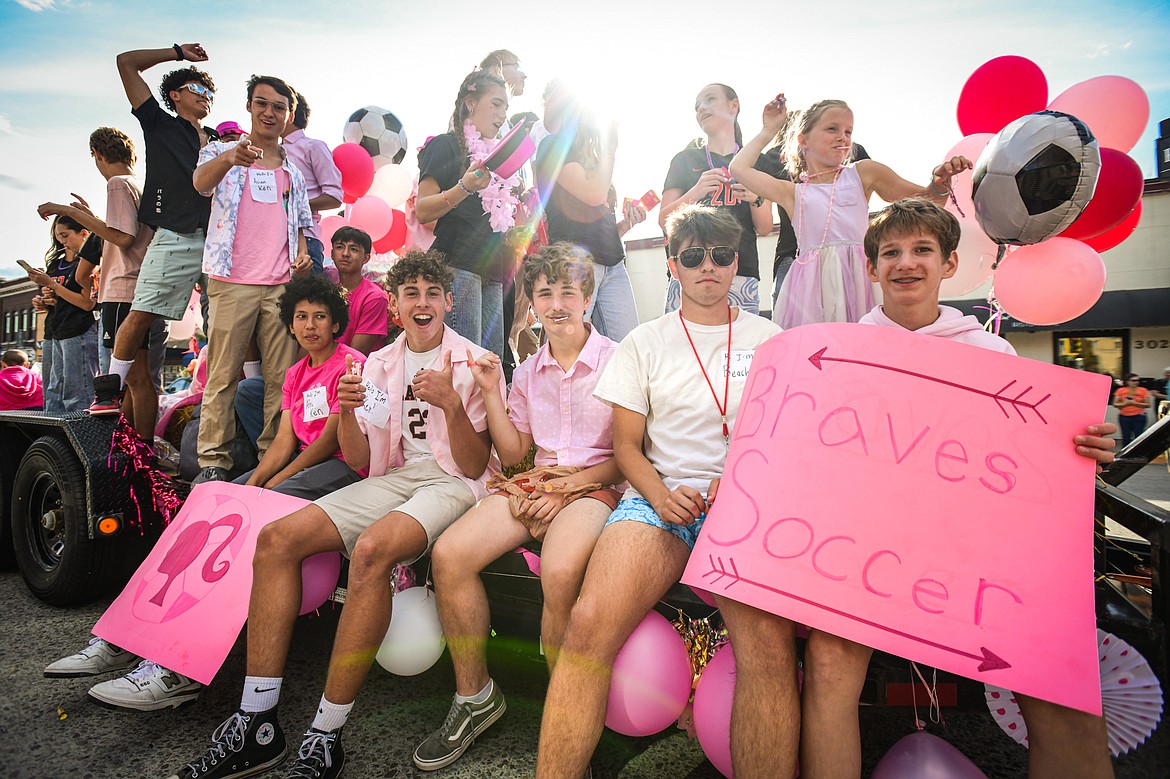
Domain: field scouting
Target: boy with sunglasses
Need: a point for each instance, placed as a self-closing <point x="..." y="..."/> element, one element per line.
<point x="674" y="385"/>
<point x="170" y="205"/>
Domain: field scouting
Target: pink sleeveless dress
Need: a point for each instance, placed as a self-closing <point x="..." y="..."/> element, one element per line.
<point x="828" y="281"/>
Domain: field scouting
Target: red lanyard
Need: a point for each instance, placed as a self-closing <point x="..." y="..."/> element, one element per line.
<point x="726" y="373"/>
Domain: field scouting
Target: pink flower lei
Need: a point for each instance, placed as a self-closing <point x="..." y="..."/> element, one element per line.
<point x="499" y="196"/>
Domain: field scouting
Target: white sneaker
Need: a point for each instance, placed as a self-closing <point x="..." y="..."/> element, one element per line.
<point x="98" y="657"/>
<point x="148" y="687"/>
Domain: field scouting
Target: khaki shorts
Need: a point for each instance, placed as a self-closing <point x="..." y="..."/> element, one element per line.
<point x="170" y="269"/>
<point x="422" y="490"/>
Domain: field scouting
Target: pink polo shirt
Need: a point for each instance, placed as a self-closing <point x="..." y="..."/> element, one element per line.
<point x="369" y="312"/>
<point x="303" y="382"/>
<point x="384" y="368"/>
<point x="572" y="428"/>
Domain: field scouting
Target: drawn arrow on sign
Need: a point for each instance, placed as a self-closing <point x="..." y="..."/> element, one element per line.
<point x="988" y="660"/>
<point x="999" y="397"/>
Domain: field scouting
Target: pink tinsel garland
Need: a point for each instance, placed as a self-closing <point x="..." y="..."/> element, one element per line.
<point x="499" y="196"/>
<point x="147" y="485"/>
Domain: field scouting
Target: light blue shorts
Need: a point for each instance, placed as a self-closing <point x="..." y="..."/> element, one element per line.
<point x="639" y="510"/>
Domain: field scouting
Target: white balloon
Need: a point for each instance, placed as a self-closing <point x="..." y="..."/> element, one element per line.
<point x="414" y="641"/>
<point x="976" y="256"/>
<point x="392" y="183"/>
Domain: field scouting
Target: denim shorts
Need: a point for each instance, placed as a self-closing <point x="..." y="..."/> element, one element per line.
<point x="639" y="510"/>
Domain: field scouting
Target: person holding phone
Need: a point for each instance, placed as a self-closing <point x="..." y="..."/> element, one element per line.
<point x="698" y="174"/>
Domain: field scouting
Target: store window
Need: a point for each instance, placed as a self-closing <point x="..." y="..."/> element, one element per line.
<point x="1097" y="352"/>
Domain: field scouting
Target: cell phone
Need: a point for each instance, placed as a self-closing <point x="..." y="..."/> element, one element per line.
<point x="28" y="268"/>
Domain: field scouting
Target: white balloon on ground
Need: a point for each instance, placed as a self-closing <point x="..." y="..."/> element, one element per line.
<point x="414" y="641"/>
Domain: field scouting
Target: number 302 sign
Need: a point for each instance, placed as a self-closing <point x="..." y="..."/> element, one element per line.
<point x="1152" y="343"/>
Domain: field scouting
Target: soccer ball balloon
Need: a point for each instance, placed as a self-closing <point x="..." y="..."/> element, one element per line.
<point x="1035" y="177"/>
<point x="379" y="132"/>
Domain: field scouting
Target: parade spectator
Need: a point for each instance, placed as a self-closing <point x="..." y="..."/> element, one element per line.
<point x="229" y="131"/>
<point x="552" y="405"/>
<point x="909" y="240"/>
<point x="125" y="241"/>
<point x="69" y="360"/>
<point x="1131" y="402"/>
<point x="698" y="174"/>
<point x="506" y="65"/>
<point x="674" y="402"/>
<point x="425" y="443"/>
<point x="259" y="212"/>
<point x="451" y="187"/>
<point x="574" y="174"/>
<point x="20" y="386"/>
<point x="171" y="266"/>
<point x="322" y="178"/>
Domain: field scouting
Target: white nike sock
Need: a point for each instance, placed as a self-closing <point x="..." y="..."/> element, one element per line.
<point x="251" y="369"/>
<point x="331" y="716"/>
<point x="479" y="697"/>
<point x="261" y="693"/>
<point x="121" y="368"/>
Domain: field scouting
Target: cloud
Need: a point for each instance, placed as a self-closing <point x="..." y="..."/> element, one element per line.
<point x="14" y="183"/>
<point x="37" y="5"/>
<point x="6" y="127"/>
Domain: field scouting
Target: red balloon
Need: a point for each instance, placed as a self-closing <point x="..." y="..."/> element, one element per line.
<point x="357" y="169"/>
<point x="1000" y="91"/>
<point x="396" y="238"/>
<point x="1119" y="189"/>
<point x="1111" y="238"/>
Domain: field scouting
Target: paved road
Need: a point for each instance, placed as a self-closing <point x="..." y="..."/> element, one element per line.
<point x="392" y="714"/>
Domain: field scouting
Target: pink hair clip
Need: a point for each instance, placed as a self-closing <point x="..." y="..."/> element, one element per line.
<point x="471" y="87"/>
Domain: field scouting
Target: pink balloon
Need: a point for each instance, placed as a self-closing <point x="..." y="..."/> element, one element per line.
<point x="395" y="238"/>
<point x="357" y="169"/>
<point x="970" y="147"/>
<point x="923" y="756"/>
<point x="328" y="227"/>
<point x="372" y="215"/>
<point x="1001" y="91"/>
<point x="651" y="681"/>
<point x="318" y="579"/>
<point x="1119" y="190"/>
<point x="1115" y="108"/>
<point x="1051" y="282"/>
<point x="712" y="708"/>
<point x="976" y="256"/>
<point x="1111" y="238"/>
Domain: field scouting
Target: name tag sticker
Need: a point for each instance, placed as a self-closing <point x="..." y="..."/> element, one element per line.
<point x="376" y="409"/>
<point x="316" y="404"/>
<point x="263" y="185"/>
<point x="741" y="363"/>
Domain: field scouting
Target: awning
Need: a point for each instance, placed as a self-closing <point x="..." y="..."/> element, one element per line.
<point x="1118" y="310"/>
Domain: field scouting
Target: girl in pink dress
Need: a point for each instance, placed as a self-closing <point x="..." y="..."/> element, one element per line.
<point x="828" y="199"/>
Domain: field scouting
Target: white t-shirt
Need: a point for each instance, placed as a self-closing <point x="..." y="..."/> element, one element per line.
<point x="415" y="447"/>
<point x="654" y="372"/>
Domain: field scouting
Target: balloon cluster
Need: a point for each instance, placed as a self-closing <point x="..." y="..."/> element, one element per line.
<point x="1060" y="278"/>
<point x="375" y="196"/>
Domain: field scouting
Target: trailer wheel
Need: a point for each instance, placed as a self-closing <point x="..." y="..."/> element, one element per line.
<point x="7" y="559"/>
<point x="60" y="563"/>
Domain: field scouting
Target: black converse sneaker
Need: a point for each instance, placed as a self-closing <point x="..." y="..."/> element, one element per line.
<point x="245" y="744"/>
<point x="321" y="756"/>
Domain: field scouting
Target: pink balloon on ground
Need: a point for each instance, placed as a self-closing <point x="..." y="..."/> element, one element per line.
<point x="372" y="215"/>
<point x="1000" y="91"/>
<point x="976" y="256"/>
<point x="1114" y="237"/>
<point x="712" y="708"/>
<point x="318" y="579"/>
<point x="357" y="169"/>
<point x="1051" y="282"/>
<point x="1115" y="108"/>
<point x="923" y="756"/>
<point x="1119" y="190"/>
<point x="970" y="147"/>
<point x="328" y="227"/>
<point x="651" y="681"/>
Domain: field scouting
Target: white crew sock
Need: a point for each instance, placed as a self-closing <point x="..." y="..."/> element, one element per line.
<point x="261" y="693"/>
<point x="251" y="369"/>
<point x="121" y="368"/>
<point x="331" y="716"/>
<point x="479" y="697"/>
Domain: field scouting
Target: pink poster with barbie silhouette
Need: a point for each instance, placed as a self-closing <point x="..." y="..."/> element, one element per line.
<point x="917" y="496"/>
<point x="184" y="606"/>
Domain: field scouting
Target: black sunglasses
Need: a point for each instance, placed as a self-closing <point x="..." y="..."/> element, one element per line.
<point x="692" y="257"/>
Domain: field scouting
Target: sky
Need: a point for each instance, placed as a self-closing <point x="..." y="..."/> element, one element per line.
<point x="900" y="65"/>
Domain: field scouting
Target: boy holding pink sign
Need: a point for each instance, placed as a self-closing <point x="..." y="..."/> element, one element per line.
<point x="910" y="248"/>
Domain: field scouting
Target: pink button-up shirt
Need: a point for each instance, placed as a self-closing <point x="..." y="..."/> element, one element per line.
<point x="384" y="369"/>
<point x="557" y="408"/>
<point x="315" y="162"/>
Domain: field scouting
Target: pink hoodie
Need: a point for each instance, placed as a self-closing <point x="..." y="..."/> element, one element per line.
<point x="20" y="389"/>
<point x="952" y="324"/>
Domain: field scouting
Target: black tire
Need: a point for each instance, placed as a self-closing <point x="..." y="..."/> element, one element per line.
<point x="7" y="558"/>
<point x="61" y="564"/>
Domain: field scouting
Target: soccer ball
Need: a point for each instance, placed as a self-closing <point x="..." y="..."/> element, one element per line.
<point x="1035" y="177"/>
<point x="379" y="132"/>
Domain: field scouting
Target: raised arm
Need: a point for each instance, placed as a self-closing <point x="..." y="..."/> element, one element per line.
<point x="208" y="175"/>
<point x="80" y="212"/>
<point x="132" y="63"/>
<point x="890" y="187"/>
<point x="743" y="164"/>
<point x="511" y="444"/>
<point x="469" y="448"/>
<point x="351" y="394"/>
